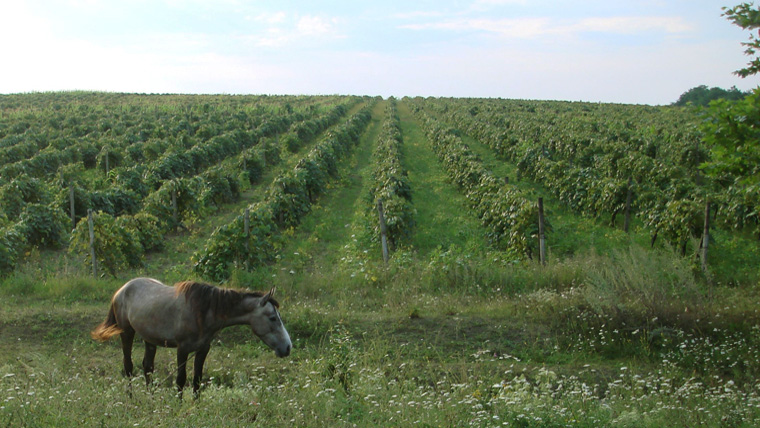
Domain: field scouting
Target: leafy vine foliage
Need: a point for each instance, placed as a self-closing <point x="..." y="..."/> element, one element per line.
<point x="148" y="165"/>
<point x="129" y="157"/>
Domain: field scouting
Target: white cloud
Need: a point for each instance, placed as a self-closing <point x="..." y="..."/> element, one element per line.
<point x="270" y="18"/>
<point x="281" y="29"/>
<point x="536" y="27"/>
<point x="418" y="14"/>
<point x="314" y="26"/>
<point x="488" y="4"/>
<point x="246" y="48"/>
<point x="499" y="2"/>
<point x="19" y="24"/>
<point x="633" y="24"/>
<point x="85" y="4"/>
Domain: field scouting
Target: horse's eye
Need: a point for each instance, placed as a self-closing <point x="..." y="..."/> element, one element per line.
<point x="273" y="319"/>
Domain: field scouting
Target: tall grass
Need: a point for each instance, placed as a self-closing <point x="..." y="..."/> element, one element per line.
<point x="649" y="284"/>
<point x="350" y="377"/>
<point x="629" y="338"/>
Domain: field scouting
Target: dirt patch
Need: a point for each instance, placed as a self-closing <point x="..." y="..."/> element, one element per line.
<point x="462" y="334"/>
<point x="49" y="324"/>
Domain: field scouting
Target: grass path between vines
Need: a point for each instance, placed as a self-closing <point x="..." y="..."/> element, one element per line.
<point x="443" y="217"/>
<point x="318" y="241"/>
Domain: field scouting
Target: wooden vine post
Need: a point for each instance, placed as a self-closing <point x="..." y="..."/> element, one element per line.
<point x="541" y="234"/>
<point x="706" y="237"/>
<point x="71" y="205"/>
<point x="247" y="231"/>
<point x="174" y="204"/>
<point x="91" y="227"/>
<point x="383" y="230"/>
<point x="628" y="198"/>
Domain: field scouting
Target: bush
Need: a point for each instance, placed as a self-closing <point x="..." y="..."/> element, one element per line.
<point x="88" y="153"/>
<point x="117" y="246"/>
<point x="43" y="225"/>
<point x="218" y="188"/>
<point x="21" y="191"/>
<point x="115" y="201"/>
<point x="252" y="164"/>
<point x="11" y="201"/>
<point x="113" y="156"/>
<point x="290" y="142"/>
<point x="227" y="245"/>
<point x="132" y="179"/>
<point x="82" y="201"/>
<point x="12" y="243"/>
<point x="159" y="203"/>
<point x="147" y="228"/>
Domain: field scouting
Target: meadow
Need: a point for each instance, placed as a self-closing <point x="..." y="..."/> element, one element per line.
<point x="462" y="327"/>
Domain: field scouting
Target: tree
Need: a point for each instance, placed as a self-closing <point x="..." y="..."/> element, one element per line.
<point x="747" y="16"/>
<point x="702" y="95"/>
<point x="732" y="129"/>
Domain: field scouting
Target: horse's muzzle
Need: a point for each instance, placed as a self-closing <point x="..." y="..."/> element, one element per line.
<point x="283" y="352"/>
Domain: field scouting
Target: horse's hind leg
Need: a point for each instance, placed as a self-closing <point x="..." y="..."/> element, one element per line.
<point x="127" y="337"/>
<point x="150" y="355"/>
<point x="200" y="358"/>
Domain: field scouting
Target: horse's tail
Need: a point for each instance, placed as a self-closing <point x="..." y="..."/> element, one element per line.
<point x="108" y="328"/>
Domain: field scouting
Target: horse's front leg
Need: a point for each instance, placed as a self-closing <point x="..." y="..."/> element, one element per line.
<point x="181" y="370"/>
<point x="200" y="358"/>
<point x="127" y="337"/>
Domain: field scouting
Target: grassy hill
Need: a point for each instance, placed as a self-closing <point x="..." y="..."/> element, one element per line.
<point x="455" y="330"/>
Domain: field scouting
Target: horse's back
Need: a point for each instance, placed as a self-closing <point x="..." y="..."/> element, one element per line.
<point x="150" y="308"/>
<point x="140" y="285"/>
<point x="138" y="293"/>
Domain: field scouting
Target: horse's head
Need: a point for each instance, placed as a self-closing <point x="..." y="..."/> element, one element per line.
<point x="267" y="325"/>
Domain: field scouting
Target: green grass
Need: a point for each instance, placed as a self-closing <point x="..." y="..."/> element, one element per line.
<point x="443" y="219"/>
<point x="461" y="359"/>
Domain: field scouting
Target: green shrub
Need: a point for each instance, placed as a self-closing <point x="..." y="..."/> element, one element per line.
<point x="117" y="246"/>
<point x="290" y="142"/>
<point x="43" y="225"/>
<point x="148" y="230"/>
<point x="111" y="156"/>
<point x="12" y="244"/>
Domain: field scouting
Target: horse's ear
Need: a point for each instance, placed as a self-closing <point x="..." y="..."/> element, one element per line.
<point x="267" y="296"/>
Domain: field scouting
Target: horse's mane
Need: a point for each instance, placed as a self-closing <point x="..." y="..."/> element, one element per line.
<point x="205" y="297"/>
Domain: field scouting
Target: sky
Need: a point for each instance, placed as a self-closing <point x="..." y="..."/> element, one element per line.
<point x="632" y="51"/>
